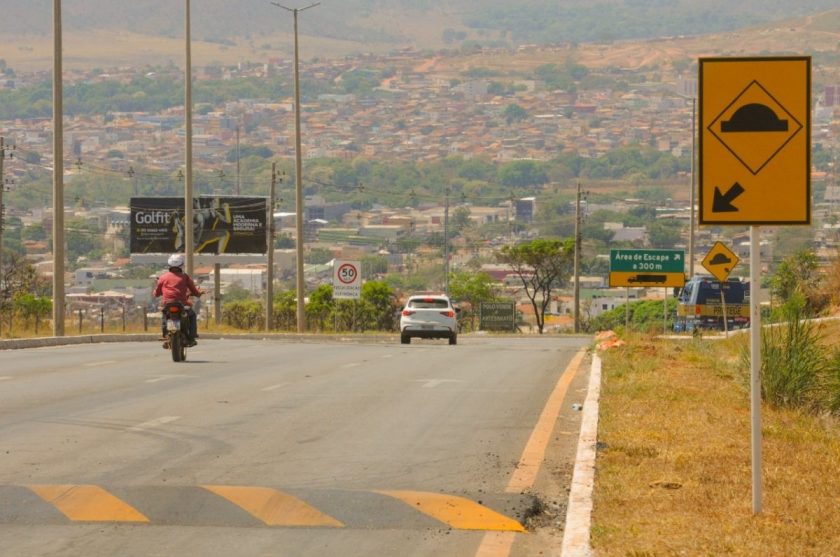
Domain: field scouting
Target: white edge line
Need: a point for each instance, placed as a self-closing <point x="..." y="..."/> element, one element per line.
<point x="576" y="534"/>
<point x="274" y="387"/>
<point x="153" y="423"/>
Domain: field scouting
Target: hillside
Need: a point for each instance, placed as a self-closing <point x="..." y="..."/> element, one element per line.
<point x="149" y="32"/>
<point x="408" y="22"/>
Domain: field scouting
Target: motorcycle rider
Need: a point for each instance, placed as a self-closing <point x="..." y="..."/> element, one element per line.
<point x="176" y="286"/>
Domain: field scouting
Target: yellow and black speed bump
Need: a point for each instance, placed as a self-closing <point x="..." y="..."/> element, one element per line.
<point x="254" y="506"/>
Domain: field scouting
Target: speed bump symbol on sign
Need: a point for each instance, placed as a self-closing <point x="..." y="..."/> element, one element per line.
<point x="754" y="139"/>
<point x="720" y="261"/>
<point x="752" y="127"/>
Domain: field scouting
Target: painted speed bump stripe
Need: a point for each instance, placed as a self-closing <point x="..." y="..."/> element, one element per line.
<point x="273" y="507"/>
<point x="267" y="506"/>
<point x="88" y="503"/>
<point x="457" y="512"/>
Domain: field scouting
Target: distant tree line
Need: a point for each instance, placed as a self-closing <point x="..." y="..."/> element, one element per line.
<point x="162" y="91"/>
<point x="363" y="182"/>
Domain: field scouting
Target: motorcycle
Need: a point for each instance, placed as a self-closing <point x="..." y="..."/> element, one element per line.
<point x="177" y="330"/>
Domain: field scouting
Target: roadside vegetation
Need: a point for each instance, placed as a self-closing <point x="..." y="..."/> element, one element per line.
<point x="674" y="459"/>
<point x="674" y="447"/>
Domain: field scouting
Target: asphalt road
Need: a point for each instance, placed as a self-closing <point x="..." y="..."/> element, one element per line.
<point x="278" y="448"/>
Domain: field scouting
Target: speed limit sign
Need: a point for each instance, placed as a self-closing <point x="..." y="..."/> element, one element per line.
<point x="347" y="279"/>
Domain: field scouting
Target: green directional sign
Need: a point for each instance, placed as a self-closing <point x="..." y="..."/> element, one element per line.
<point x="647" y="267"/>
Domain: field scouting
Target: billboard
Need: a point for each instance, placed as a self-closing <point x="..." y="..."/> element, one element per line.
<point x="222" y="225"/>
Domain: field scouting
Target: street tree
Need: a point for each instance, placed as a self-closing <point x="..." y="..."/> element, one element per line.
<point x="514" y="113"/>
<point x="472" y="289"/>
<point x="797" y="281"/>
<point x="320" y="305"/>
<point x="21" y="289"/>
<point x="380" y="305"/>
<point x="541" y="265"/>
<point x="285" y="309"/>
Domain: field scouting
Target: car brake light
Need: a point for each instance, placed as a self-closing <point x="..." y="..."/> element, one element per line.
<point x="407" y="312"/>
<point x="449" y="313"/>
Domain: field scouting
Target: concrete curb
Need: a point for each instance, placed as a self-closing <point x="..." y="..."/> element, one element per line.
<point x="579" y="512"/>
<point x="16" y="344"/>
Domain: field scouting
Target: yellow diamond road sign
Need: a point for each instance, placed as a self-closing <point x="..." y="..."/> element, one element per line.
<point x="755" y="122"/>
<point x="720" y="261"/>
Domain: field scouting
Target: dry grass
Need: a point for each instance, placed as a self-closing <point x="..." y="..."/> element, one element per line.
<point x="674" y="471"/>
<point x="21" y="330"/>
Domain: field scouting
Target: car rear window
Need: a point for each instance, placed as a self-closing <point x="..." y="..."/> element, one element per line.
<point x="428" y="303"/>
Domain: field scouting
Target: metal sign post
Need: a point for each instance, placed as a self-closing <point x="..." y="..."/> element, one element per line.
<point x="755" y="367"/>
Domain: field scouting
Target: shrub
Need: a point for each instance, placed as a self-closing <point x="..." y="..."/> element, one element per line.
<point x="794" y="363"/>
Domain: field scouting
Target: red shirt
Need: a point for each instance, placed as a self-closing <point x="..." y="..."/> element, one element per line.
<point x="176" y="287"/>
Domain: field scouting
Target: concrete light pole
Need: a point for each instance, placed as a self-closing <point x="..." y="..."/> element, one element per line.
<point x="58" y="177"/>
<point x="269" y="278"/>
<point x="446" y="243"/>
<point x="3" y="150"/>
<point x="301" y="315"/>
<point x="577" y="259"/>
<point x="189" y="240"/>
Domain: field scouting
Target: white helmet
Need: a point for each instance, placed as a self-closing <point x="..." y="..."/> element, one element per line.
<point x="175" y="260"/>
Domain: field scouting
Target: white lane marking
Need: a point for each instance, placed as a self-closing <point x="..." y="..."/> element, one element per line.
<point x="161" y="378"/>
<point x="103" y="363"/>
<point x="6" y="378"/>
<point x="432" y="383"/>
<point x="274" y="387"/>
<point x="154" y="423"/>
<point x="354" y="364"/>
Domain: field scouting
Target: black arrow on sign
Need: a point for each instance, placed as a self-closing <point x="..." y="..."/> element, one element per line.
<point x="722" y="202"/>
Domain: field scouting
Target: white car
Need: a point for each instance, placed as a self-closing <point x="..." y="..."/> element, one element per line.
<point x="429" y="316"/>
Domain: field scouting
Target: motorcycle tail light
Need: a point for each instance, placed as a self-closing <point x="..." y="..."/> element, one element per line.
<point x="174" y="309"/>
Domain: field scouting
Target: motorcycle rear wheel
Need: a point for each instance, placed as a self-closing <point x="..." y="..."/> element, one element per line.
<point x="179" y="352"/>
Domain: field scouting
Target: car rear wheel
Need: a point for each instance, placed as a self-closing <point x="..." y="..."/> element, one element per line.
<point x="453" y="338"/>
<point x="405" y="339"/>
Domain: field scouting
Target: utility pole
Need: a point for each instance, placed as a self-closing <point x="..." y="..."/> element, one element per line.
<point x="133" y="177"/>
<point x="511" y="218"/>
<point x="238" y="166"/>
<point x="58" y="176"/>
<point x="446" y="243"/>
<point x="189" y="239"/>
<point x="3" y="150"/>
<point x="269" y="231"/>
<point x="577" y="259"/>
<point x="301" y="315"/>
